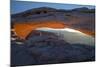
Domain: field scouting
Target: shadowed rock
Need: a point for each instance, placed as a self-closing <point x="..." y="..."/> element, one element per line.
<point x="47" y="49"/>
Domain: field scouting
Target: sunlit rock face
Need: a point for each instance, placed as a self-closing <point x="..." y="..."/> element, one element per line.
<point x="72" y="36"/>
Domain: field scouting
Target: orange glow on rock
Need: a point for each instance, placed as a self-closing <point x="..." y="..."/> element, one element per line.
<point x="23" y="29"/>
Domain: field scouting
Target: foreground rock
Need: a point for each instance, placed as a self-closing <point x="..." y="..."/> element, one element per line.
<point x="47" y="48"/>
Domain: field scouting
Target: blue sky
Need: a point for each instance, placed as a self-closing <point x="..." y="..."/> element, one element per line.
<point x="20" y="6"/>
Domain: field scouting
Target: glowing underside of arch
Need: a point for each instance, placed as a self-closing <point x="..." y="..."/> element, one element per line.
<point x="22" y="30"/>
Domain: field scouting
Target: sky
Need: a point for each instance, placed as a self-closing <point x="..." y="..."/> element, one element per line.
<point x="20" y="6"/>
